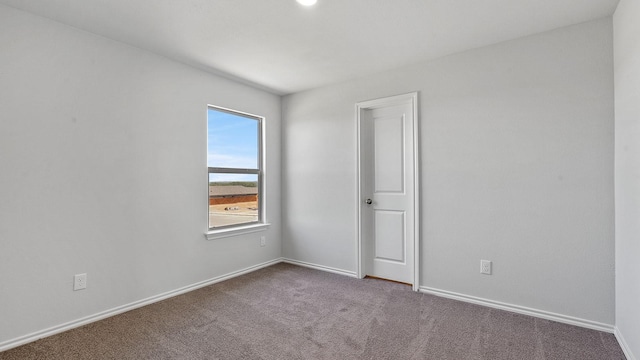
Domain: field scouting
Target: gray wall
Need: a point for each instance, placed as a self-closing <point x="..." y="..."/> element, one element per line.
<point x="516" y="166"/>
<point x="627" y="172"/>
<point x="103" y="171"/>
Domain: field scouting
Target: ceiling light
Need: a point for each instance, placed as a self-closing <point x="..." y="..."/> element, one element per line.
<point x="307" y="2"/>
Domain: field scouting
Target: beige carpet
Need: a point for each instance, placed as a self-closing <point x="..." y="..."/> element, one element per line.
<point x="290" y="312"/>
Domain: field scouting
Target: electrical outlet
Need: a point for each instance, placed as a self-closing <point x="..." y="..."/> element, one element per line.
<point x="263" y="240"/>
<point x="79" y="282"/>
<point x="485" y="267"/>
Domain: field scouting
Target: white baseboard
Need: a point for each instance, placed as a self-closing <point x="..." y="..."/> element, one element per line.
<point x="623" y="344"/>
<point x="520" y="309"/>
<point x="443" y="293"/>
<point x="6" y="345"/>
<point x="484" y="302"/>
<point x="320" y="267"/>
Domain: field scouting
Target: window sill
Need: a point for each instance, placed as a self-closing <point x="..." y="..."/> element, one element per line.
<point x="241" y="230"/>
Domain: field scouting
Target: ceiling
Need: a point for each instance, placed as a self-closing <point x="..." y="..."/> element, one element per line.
<point x="284" y="47"/>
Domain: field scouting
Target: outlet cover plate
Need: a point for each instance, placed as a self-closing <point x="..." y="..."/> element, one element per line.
<point x="79" y="282"/>
<point x="485" y="267"/>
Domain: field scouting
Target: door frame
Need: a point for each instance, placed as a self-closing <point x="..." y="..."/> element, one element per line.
<point x="361" y="107"/>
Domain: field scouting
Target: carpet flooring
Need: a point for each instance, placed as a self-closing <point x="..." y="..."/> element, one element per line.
<point x="290" y="312"/>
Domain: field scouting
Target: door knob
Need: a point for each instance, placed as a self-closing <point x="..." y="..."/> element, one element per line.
<point x="368" y="201"/>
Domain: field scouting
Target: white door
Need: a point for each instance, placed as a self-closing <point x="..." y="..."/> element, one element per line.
<point x="388" y="193"/>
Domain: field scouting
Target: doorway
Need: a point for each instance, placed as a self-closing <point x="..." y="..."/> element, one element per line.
<point x="388" y="191"/>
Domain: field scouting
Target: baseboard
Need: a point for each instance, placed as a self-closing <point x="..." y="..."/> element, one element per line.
<point x="623" y="344"/>
<point x="520" y="309"/>
<point x="442" y="293"/>
<point x="124" y="308"/>
<point x="484" y="302"/>
<point x="320" y="267"/>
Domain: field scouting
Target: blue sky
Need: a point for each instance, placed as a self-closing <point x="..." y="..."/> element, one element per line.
<point x="233" y="143"/>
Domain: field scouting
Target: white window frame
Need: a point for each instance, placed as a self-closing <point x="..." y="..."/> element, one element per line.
<point x="244" y="228"/>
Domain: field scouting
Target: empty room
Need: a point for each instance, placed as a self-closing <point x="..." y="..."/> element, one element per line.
<point x="299" y="179"/>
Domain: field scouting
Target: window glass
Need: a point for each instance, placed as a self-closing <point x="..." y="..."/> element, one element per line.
<point x="235" y="173"/>
<point x="233" y="140"/>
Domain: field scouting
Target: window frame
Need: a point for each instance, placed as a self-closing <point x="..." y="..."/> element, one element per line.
<point x="247" y="227"/>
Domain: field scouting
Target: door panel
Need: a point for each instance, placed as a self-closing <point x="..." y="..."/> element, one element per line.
<point x="388" y="147"/>
<point x="390" y="240"/>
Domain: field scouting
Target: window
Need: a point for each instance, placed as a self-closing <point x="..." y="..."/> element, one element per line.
<point x="234" y="158"/>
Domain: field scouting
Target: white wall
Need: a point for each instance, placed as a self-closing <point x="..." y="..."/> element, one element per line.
<point x="103" y="171"/>
<point x="517" y="168"/>
<point x="627" y="172"/>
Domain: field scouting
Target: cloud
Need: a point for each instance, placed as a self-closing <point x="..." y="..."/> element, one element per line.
<point x="230" y="161"/>
<point x="232" y="177"/>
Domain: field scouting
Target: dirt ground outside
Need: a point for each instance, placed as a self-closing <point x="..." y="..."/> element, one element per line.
<point x="232" y="214"/>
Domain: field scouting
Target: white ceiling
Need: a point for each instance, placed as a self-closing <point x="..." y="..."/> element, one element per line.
<point x="284" y="47"/>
